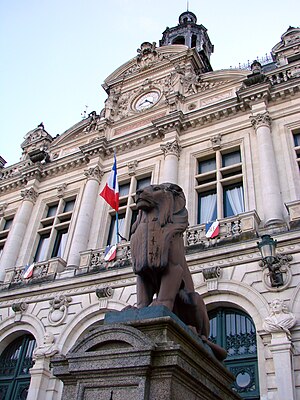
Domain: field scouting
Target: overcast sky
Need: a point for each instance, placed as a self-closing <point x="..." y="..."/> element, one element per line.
<point x="55" y="54"/>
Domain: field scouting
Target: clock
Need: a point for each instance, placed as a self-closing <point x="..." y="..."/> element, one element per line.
<point x="147" y="100"/>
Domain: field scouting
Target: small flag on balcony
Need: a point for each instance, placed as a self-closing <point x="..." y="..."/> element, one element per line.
<point x="110" y="252"/>
<point x="110" y="193"/>
<point x="28" y="271"/>
<point x="212" y="229"/>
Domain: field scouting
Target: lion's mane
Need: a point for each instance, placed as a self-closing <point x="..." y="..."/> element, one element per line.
<point x="156" y="227"/>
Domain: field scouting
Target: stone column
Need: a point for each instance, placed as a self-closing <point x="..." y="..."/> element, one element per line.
<point x="282" y="352"/>
<point x="85" y="215"/>
<point x="40" y="376"/>
<point x="16" y="235"/>
<point x="270" y="189"/>
<point x="171" y="152"/>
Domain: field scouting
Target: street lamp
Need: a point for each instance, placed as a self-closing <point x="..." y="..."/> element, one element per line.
<point x="267" y="248"/>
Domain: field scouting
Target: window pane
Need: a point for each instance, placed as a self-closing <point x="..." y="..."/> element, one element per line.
<point x="206" y="165"/>
<point x="231" y="158"/>
<point x="60" y="243"/>
<point x="69" y="205"/>
<point x="8" y="223"/>
<point x="143" y="182"/>
<point x="51" y="211"/>
<point x="124" y="189"/>
<point x="297" y="139"/>
<point x="233" y="200"/>
<point x="207" y="207"/>
<point x="112" y="236"/>
<point x="41" y="252"/>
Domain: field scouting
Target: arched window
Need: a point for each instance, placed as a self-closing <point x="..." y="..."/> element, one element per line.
<point x="15" y="362"/>
<point x="235" y="331"/>
<point x="179" y="40"/>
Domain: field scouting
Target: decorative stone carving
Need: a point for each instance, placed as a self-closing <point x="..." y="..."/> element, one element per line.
<point x="19" y="307"/>
<point x="216" y="142"/>
<point x="211" y="276"/>
<point x="47" y="349"/>
<point x="261" y="120"/>
<point x="132" y="167"/>
<point x="171" y="148"/>
<point x="94" y="173"/>
<point x="280" y="319"/>
<point x="283" y="267"/>
<point x="147" y="55"/>
<point x="29" y="194"/>
<point x="3" y="207"/>
<point x="36" y="144"/>
<point x="104" y="292"/>
<point x="58" y="309"/>
<point x="61" y="190"/>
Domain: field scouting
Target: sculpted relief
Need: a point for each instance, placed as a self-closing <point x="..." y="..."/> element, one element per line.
<point x="158" y="257"/>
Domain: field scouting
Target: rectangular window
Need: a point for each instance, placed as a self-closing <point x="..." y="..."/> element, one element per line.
<point x="53" y="232"/>
<point x="127" y="209"/>
<point x="219" y="185"/>
<point x="5" y="227"/>
<point x="296" y="137"/>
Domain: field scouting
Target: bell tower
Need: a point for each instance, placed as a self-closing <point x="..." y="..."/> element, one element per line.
<point x="188" y="33"/>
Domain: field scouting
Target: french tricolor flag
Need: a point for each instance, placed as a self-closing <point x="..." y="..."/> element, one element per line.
<point x="28" y="271"/>
<point x="110" y="193"/>
<point x="212" y="229"/>
<point x="110" y="253"/>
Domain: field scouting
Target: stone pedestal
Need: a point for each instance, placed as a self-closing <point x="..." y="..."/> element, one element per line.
<point x="146" y="354"/>
<point x="282" y="351"/>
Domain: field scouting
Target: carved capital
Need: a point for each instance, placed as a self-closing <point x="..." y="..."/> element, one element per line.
<point x="171" y="148"/>
<point x="3" y="207"/>
<point x="261" y="120"/>
<point x="94" y="173"/>
<point x="29" y="194"/>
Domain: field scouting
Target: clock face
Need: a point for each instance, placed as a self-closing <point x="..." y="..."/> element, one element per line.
<point x="147" y="100"/>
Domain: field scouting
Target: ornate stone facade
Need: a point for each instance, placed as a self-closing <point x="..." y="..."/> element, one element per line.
<point x="166" y="119"/>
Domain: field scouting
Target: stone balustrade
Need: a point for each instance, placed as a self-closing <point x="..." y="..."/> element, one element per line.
<point x="240" y="227"/>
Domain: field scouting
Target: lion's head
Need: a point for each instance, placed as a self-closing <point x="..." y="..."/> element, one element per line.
<point x="168" y="198"/>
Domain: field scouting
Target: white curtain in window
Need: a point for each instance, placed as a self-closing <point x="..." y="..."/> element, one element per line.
<point x="121" y="229"/>
<point x="207" y="207"/>
<point x="236" y="199"/>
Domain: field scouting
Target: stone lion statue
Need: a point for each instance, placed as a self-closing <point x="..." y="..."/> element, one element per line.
<point x="158" y="258"/>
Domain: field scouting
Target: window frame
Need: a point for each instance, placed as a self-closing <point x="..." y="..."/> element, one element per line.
<point x="127" y="206"/>
<point x="218" y="179"/>
<point x="51" y="226"/>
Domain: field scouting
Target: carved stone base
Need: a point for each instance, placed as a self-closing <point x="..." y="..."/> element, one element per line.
<point x="146" y="354"/>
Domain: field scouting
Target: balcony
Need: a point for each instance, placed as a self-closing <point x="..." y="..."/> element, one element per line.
<point x="237" y="228"/>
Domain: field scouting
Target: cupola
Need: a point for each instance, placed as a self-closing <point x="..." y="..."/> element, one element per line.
<point x="188" y="33"/>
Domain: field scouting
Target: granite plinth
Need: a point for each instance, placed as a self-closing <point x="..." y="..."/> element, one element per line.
<point x="146" y="354"/>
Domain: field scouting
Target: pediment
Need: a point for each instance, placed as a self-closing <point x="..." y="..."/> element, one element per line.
<point x="139" y="64"/>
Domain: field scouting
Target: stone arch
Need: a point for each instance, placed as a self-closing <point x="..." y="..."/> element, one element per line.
<point x="294" y="305"/>
<point x="243" y="296"/>
<point x="11" y="329"/>
<point x="83" y="321"/>
<point x="239" y="295"/>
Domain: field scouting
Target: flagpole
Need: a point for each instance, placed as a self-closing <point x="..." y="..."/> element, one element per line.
<point x="117" y="227"/>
